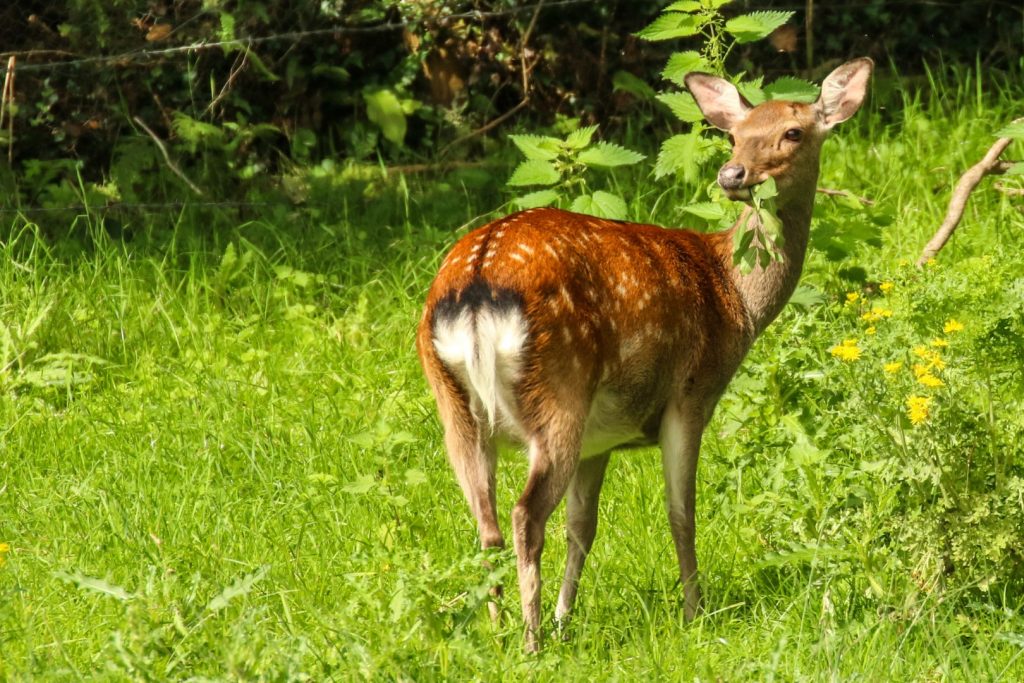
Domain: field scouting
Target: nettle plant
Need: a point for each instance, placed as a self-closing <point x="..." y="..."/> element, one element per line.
<point x="759" y="243"/>
<point x="560" y="165"/>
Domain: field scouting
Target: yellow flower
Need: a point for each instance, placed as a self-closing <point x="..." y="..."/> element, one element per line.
<point x="892" y="367"/>
<point x="952" y="326"/>
<point x="931" y="262"/>
<point x="920" y="370"/>
<point x="886" y="287"/>
<point x="876" y="313"/>
<point x="929" y="380"/>
<point x="870" y="330"/>
<point x="852" y="297"/>
<point x="848" y="350"/>
<point x="917" y="408"/>
<point x="4" y="549"/>
<point x="939" y="342"/>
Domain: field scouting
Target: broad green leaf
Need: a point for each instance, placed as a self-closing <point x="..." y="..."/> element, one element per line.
<point x="364" y="483"/>
<point x="770" y="223"/>
<point x="384" y="109"/>
<point x="683" y="6"/>
<point x="627" y="82"/>
<point x="672" y="25"/>
<point x="806" y="297"/>
<point x="414" y="477"/>
<point x="1016" y="169"/>
<point x="709" y="211"/>
<point x="534" y="172"/>
<point x="91" y="583"/>
<point x="535" y="199"/>
<point x="242" y="586"/>
<point x="766" y="189"/>
<point x="792" y="89"/>
<point x="600" y="204"/>
<point x="536" y="147"/>
<point x="742" y="238"/>
<point x="682" y="63"/>
<point x="608" y="155"/>
<point x="747" y="28"/>
<point x="1014" y="130"/>
<point x="751" y="91"/>
<point x="676" y="153"/>
<point x="682" y="105"/>
<point x="580" y="138"/>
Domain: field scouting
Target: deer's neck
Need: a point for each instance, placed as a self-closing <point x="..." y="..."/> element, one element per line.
<point x="765" y="291"/>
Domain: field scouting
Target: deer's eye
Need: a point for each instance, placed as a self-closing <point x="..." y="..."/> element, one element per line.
<point x="794" y="134"/>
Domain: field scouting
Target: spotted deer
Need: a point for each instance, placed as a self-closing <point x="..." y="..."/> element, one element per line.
<point x="575" y="335"/>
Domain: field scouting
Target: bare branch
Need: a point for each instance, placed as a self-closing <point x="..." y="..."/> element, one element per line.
<point x="990" y="164"/>
<point x="845" y="193"/>
<point x="167" y="157"/>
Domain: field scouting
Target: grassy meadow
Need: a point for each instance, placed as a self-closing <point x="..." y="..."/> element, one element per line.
<point x="220" y="460"/>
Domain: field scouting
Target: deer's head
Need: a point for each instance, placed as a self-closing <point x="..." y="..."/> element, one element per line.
<point x="778" y="139"/>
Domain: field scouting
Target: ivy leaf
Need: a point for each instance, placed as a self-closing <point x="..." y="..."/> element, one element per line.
<point x="682" y="63"/>
<point x="534" y="172"/>
<point x="600" y="204"/>
<point x="608" y="155"/>
<point x="747" y="28"/>
<point x="682" y="105"/>
<point x="384" y="109"/>
<point x="580" y="138"/>
<point x="1013" y="130"/>
<point x="672" y="25"/>
<point x="536" y="147"/>
<point x="536" y="199"/>
<point x="792" y="89"/>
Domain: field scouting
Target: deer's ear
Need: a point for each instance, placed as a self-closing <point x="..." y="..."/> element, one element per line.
<point x="718" y="99"/>
<point x="843" y="91"/>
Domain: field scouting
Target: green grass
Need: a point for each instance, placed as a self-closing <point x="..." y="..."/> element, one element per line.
<point x="220" y="459"/>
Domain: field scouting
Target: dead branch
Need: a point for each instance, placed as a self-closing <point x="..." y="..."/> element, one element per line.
<point x="240" y="63"/>
<point x="525" y="70"/>
<point x="990" y="164"/>
<point x="6" y="107"/>
<point x="167" y="157"/>
<point x="1009" y="191"/>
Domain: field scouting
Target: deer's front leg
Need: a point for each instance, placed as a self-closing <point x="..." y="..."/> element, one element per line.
<point x="681" y="430"/>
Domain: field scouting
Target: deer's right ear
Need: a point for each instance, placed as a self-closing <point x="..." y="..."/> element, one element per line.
<point x="718" y="99"/>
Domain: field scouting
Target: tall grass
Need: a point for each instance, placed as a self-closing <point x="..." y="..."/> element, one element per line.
<point x="220" y="459"/>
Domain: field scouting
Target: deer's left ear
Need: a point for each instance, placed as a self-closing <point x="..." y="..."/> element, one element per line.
<point x="843" y="91"/>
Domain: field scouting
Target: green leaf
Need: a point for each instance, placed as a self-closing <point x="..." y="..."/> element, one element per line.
<point x="792" y="89"/>
<point x="364" y="483"/>
<point x="385" y="110"/>
<point x="535" y="199"/>
<point x="91" y="583"/>
<point x="537" y="147"/>
<point x="709" y="211"/>
<point x="683" y="6"/>
<point x="242" y="586"/>
<point x="1016" y="169"/>
<point x="608" y="155"/>
<point x="672" y="25"/>
<point x="682" y="63"/>
<point x="742" y="238"/>
<point x="414" y="477"/>
<point x="1014" y="130"/>
<point x="751" y="91"/>
<point x="626" y="82"/>
<point x="580" y="138"/>
<point x="747" y="28"/>
<point x="770" y="223"/>
<point x="600" y="204"/>
<point x="534" y="172"/>
<point x="684" y="153"/>
<point x="682" y="105"/>
<point x="766" y="189"/>
<point x="806" y="297"/>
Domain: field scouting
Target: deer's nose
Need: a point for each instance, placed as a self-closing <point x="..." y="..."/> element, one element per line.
<point x="730" y="177"/>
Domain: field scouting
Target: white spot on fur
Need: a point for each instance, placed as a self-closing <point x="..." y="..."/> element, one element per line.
<point x="567" y="298"/>
<point x="516" y="256"/>
<point x="526" y="249"/>
<point x="550" y="249"/>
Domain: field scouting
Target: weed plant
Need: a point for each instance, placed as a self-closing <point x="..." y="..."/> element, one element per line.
<point x="220" y="460"/>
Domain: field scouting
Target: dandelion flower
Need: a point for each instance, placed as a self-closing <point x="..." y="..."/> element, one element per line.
<point x="922" y="352"/>
<point x="917" y="408"/>
<point x="876" y="313"/>
<point x="892" y="367"/>
<point x="870" y="330"/>
<point x="886" y="287"/>
<point x="952" y="326"/>
<point x="852" y="298"/>
<point x="847" y="351"/>
<point x="931" y="263"/>
<point x="929" y="380"/>
<point x="4" y="549"/>
<point x="939" y="342"/>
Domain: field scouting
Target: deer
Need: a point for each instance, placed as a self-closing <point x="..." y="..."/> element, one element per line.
<point x="575" y="336"/>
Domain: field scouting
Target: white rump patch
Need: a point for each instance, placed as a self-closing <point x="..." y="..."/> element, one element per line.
<point x="484" y="350"/>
